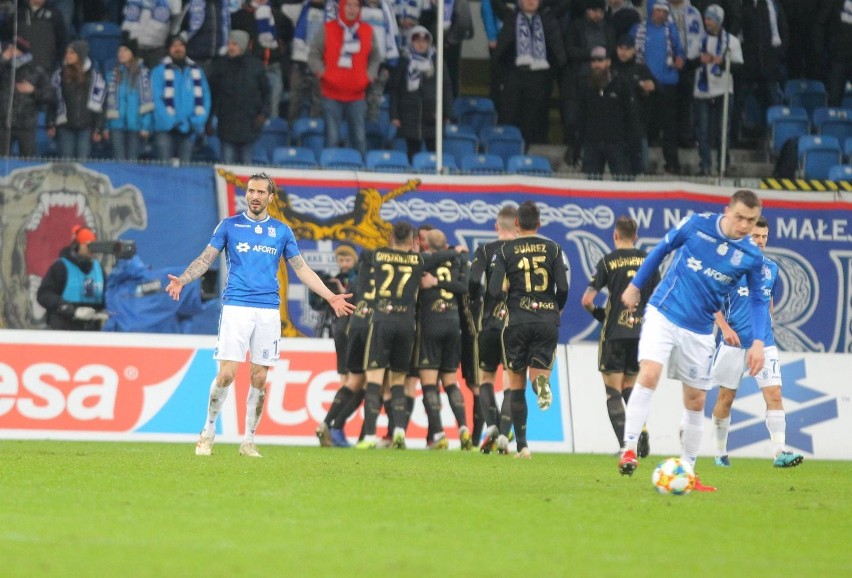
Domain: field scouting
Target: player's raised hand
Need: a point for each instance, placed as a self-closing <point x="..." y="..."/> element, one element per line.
<point x="340" y="304"/>
<point x="174" y="287"/>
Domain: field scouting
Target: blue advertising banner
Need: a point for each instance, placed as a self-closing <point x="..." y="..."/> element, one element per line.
<point x="809" y="234"/>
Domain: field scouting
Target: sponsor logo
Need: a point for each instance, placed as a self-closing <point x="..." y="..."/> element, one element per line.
<point x="694" y="264"/>
<point x="722" y="249"/>
<point x="718" y="276"/>
<point x="242" y="247"/>
<point x="241" y="226"/>
<point x="271" y="232"/>
<point x="265" y="249"/>
<point x="258" y="229"/>
<point x="742" y="291"/>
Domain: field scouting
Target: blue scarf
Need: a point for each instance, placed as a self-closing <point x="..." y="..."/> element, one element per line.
<point x="529" y="41"/>
<point x="449" y="5"/>
<point x="307" y="26"/>
<point x="97" y="92"/>
<point x="169" y="87"/>
<point x="351" y="43"/>
<point x="713" y="68"/>
<point x="143" y="88"/>
<point x="419" y="66"/>
<point x="267" y="34"/>
<point x="641" y="38"/>
<point x="160" y="10"/>
<point x="846" y="13"/>
<point x="198" y="12"/>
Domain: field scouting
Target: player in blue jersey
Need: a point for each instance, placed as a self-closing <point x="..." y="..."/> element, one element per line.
<point x="729" y="365"/>
<point x="254" y="243"/>
<point x="712" y="252"/>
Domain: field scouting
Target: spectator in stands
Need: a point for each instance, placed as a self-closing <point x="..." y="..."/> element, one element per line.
<point x="834" y="40"/>
<point x="181" y="102"/>
<point x="344" y="56"/>
<point x="733" y="9"/>
<point x="641" y="79"/>
<point x="412" y="92"/>
<point x="271" y="36"/>
<point x="802" y="59"/>
<point x="240" y="94"/>
<point x="530" y="52"/>
<point x="72" y="290"/>
<point x="621" y="15"/>
<point x="458" y="27"/>
<point x="609" y="120"/>
<point x="41" y="23"/>
<point x="76" y="119"/>
<point x="764" y="42"/>
<point x="206" y="23"/>
<point x="32" y="90"/>
<point x="129" y="102"/>
<point x="304" y="86"/>
<point x="379" y="15"/>
<point x="691" y="31"/>
<point x="492" y="24"/>
<point x="151" y="23"/>
<point x="711" y="83"/>
<point x="658" y="45"/>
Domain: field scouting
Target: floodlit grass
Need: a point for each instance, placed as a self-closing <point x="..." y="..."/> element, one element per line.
<point x="108" y="509"/>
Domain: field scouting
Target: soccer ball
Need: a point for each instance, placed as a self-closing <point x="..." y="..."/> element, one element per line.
<point x="673" y="476"/>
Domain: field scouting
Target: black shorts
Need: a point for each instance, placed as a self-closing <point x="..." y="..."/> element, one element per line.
<point x="340" y="347"/>
<point x="619" y="356"/>
<point x="390" y="343"/>
<point x="440" y="347"/>
<point x="530" y="345"/>
<point x="469" y="358"/>
<point x="490" y="349"/>
<point x="356" y="343"/>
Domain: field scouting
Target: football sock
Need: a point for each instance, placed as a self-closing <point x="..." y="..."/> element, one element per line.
<point x="488" y="403"/>
<point x="254" y="409"/>
<point x="693" y="429"/>
<point x="721" y="425"/>
<point x="218" y="395"/>
<point x="456" y="403"/>
<point x="386" y="404"/>
<point x="505" y="425"/>
<point x="519" y="417"/>
<point x="348" y="409"/>
<point x="343" y="395"/>
<point x="372" y="405"/>
<point x="636" y="415"/>
<point x="625" y="394"/>
<point x="476" y="433"/>
<point x="397" y="407"/>
<point x="409" y="407"/>
<point x="776" y="423"/>
<point x="432" y="405"/>
<point x="615" y="408"/>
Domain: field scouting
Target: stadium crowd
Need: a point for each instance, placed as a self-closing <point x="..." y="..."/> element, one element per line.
<point x="154" y="79"/>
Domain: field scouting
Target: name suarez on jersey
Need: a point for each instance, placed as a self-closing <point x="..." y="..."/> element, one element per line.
<point x="530" y="248"/>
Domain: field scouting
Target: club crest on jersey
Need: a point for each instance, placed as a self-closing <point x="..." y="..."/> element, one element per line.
<point x="737" y="257"/>
<point x="271" y="231"/>
<point x="258" y="230"/>
<point x="722" y="249"/>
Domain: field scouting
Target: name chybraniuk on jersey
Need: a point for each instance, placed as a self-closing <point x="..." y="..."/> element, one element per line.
<point x="396" y="277"/>
<point x="706" y="266"/>
<point x="736" y="307"/>
<point x="253" y="250"/>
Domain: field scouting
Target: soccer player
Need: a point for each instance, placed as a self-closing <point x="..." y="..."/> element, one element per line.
<point x="712" y="252"/>
<point x="618" y="350"/>
<point x="439" y="340"/>
<point x="534" y="273"/>
<point x="253" y="243"/>
<point x="491" y="318"/>
<point x="729" y="365"/>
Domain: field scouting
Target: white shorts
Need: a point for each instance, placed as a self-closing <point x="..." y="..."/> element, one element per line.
<point x="689" y="355"/>
<point x="729" y="367"/>
<point x="244" y="329"/>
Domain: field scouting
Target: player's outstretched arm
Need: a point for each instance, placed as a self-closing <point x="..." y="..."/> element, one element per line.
<point x="306" y="275"/>
<point x="195" y="270"/>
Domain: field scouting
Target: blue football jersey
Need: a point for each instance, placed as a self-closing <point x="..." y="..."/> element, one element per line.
<point x="736" y="307"/>
<point x="706" y="266"/>
<point x="253" y="250"/>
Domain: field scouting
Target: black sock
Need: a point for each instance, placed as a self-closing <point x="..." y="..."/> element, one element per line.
<point x="519" y="417"/>
<point x="625" y="394"/>
<point x="409" y="407"/>
<point x="343" y="395"/>
<point x="386" y="404"/>
<point x="488" y="403"/>
<point x="505" y="412"/>
<point x="348" y="409"/>
<point x="476" y="433"/>
<point x="615" y="408"/>
<point x="372" y="406"/>
<point x="397" y="407"/>
<point x="456" y="403"/>
<point x="432" y="405"/>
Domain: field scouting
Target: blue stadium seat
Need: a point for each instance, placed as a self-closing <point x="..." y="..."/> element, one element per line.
<point x="484" y="164"/>
<point x="809" y="94"/>
<point x="502" y="140"/>
<point x="476" y="111"/>
<point x="817" y="154"/>
<point x="275" y="134"/>
<point x="387" y="161"/>
<point x="341" y="158"/>
<point x="847" y="149"/>
<point x="836" y="122"/>
<point x="294" y="158"/>
<point x="459" y="141"/>
<point x="377" y="135"/>
<point x="104" y="38"/>
<point x="310" y="133"/>
<point x="784" y="123"/>
<point x="529" y="165"/>
<point x="425" y="162"/>
<point x="840" y="173"/>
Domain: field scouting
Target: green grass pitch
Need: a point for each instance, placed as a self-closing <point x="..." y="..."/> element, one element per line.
<point x="146" y="509"/>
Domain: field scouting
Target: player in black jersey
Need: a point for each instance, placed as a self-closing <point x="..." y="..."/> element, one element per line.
<point x="439" y="340"/>
<point x="351" y="393"/>
<point x="533" y="273"/>
<point x="618" y="349"/>
<point x="490" y="319"/>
